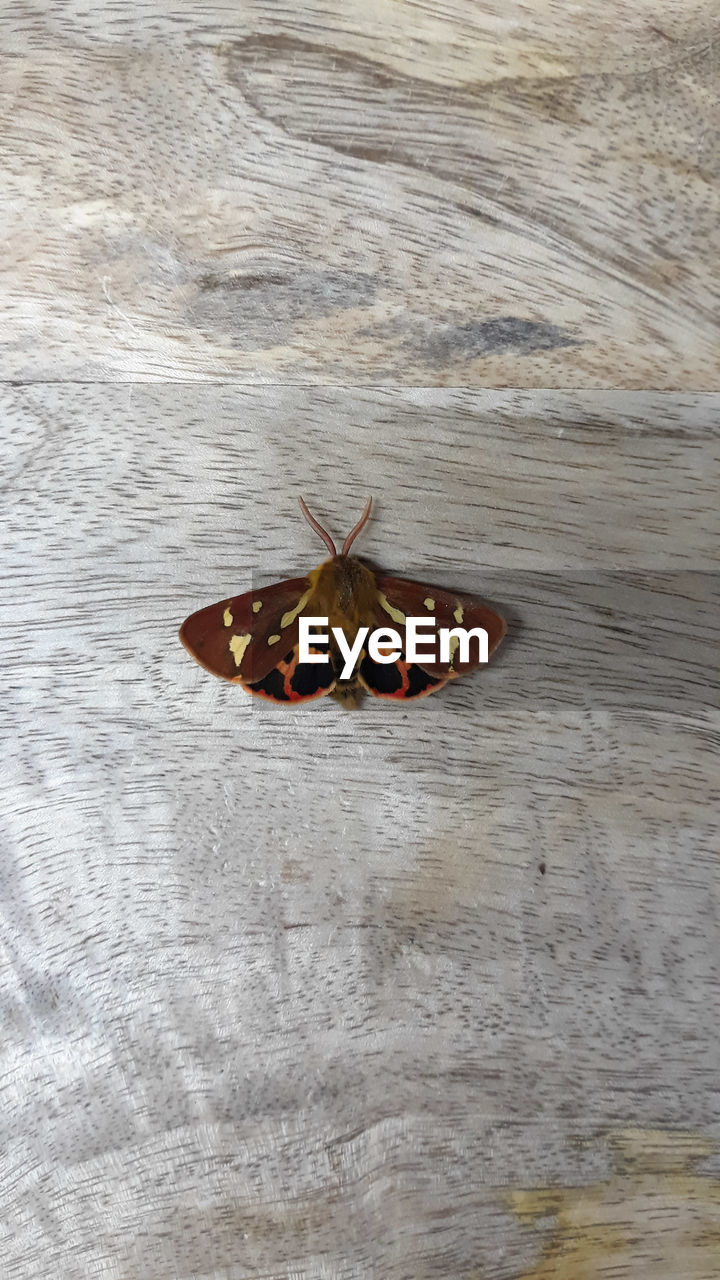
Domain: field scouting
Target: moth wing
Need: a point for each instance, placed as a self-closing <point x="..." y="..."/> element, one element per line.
<point x="398" y="680"/>
<point x="244" y="637"/>
<point x="398" y="599"/>
<point x="294" y="681"/>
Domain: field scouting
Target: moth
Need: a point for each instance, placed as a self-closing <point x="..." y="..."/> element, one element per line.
<point x="253" y="639"/>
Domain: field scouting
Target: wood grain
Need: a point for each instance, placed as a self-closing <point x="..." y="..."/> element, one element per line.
<point x="422" y="992"/>
<point x="443" y="193"/>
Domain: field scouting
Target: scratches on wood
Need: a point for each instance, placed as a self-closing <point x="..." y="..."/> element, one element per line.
<point x="505" y="333"/>
<point x="414" y="994"/>
<point x="264" y="309"/>
<point x="655" y="1215"/>
<point x="427" y="992"/>
<point x="434" y="195"/>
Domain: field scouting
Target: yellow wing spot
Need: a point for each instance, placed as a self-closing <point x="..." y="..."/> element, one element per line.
<point x="454" y="642"/>
<point x="429" y="603"/>
<point x="238" y="645"/>
<point x="257" y="606"/>
<point x="458" y="615"/>
<point x="227" y="618"/>
<point x="274" y="639"/>
<point x="289" y="617"/>
<point x="397" y="615"/>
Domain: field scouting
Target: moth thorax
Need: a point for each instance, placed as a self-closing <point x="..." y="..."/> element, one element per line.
<point x="343" y="586"/>
<point x="355" y="585"/>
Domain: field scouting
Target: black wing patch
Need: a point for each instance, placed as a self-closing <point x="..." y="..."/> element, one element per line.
<point x="399" y="679"/>
<point x="293" y="681"/>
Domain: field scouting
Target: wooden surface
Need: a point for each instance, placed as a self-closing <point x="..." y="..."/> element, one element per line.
<point x="423" y="993"/>
<point x="411" y="192"/>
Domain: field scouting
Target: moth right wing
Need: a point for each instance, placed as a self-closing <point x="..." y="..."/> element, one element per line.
<point x="295" y="681"/>
<point x="245" y="637"/>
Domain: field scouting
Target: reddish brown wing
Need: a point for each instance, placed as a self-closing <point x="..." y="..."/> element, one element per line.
<point x="398" y="598"/>
<point x="243" y="638"/>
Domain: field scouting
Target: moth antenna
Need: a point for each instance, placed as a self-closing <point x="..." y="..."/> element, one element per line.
<point x="318" y="529"/>
<point x="360" y="525"/>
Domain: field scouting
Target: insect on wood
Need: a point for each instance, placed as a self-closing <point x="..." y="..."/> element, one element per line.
<point x="254" y="639"/>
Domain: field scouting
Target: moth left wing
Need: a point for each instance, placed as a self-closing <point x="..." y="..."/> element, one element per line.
<point x="397" y="681"/>
<point x="399" y="599"/>
<point x="245" y="637"/>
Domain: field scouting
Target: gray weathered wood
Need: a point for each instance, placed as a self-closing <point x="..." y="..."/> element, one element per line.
<point x="424" y="992"/>
<point x="453" y="194"/>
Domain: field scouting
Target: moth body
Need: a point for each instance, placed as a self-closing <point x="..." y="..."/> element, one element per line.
<point x="344" y="591"/>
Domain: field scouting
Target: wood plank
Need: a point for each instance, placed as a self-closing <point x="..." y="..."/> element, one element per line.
<point x="414" y="992"/>
<point x="441" y="193"/>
